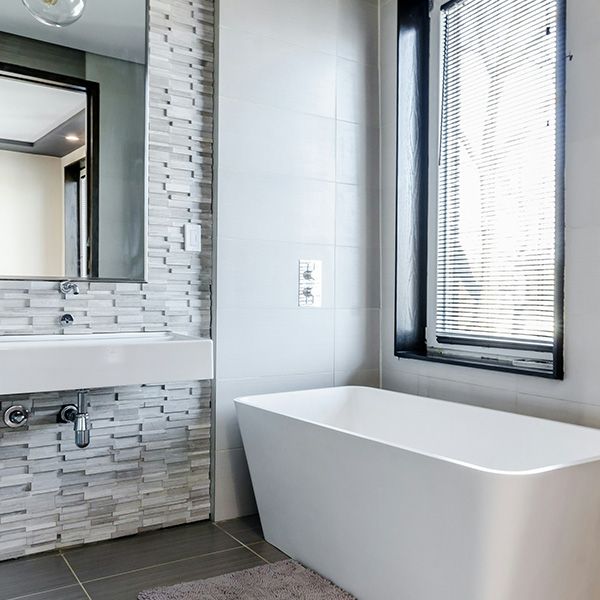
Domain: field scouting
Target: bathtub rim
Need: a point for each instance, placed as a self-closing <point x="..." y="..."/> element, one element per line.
<point x="252" y="400"/>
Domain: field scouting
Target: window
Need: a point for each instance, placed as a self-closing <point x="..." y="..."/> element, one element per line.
<point x="492" y="97"/>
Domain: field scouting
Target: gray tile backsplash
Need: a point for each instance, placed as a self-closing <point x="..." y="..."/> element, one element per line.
<point x="148" y="463"/>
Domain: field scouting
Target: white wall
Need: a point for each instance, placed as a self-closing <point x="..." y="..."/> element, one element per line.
<point x="298" y="178"/>
<point x="31" y="215"/>
<point x="577" y="398"/>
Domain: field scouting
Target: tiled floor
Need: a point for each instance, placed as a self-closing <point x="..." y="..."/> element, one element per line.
<point x="119" y="569"/>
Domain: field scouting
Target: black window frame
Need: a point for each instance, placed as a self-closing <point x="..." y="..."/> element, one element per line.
<point x="412" y="197"/>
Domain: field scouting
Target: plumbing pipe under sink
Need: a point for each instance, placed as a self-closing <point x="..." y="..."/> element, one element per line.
<point x="78" y="415"/>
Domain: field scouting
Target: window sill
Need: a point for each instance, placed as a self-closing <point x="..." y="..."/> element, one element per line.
<point x="479" y="364"/>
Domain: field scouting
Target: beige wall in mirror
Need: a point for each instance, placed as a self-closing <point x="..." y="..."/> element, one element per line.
<point x="31" y="215"/>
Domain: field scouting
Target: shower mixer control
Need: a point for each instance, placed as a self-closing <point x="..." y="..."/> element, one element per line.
<point x="309" y="283"/>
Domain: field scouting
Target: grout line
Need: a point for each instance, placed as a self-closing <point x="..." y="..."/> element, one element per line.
<point x="171" y="562"/>
<point x="336" y="203"/>
<point x="242" y="543"/>
<point x="75" y="575"/>
<point x="33" y="596"/>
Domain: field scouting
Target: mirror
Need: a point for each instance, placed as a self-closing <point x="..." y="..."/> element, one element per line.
<point x="73" y="143"/>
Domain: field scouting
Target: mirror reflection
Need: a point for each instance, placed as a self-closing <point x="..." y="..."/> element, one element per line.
<point x="73" y="143"/>
<point x="43" y="189"/>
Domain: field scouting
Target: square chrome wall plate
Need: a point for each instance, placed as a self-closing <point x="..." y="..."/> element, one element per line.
<point x="310" y="284"/>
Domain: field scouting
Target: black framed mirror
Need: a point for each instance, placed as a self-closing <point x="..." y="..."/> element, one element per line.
<point x="73" y="144"/>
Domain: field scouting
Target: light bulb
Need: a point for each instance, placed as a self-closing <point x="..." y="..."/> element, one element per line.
<point x="56" y="13"/>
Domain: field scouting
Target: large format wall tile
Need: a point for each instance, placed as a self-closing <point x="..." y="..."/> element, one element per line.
<point x="310" y="23"/>
<point x="254" y="206"/>
<point x="277" y="73"/>
<point x="298" y="179"/>
<point x="272" y="342"/>
<point x="254" y="138"/>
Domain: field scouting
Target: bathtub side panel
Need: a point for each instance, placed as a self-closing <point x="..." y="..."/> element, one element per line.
<point x="544" y="536"/>
<point x="379" y="521"/>
<point x="386" y="523"/>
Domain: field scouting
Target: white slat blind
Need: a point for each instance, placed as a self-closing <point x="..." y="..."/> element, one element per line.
<point x="497" y="174"/>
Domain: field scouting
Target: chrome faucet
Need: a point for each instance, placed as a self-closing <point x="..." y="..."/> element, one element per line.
<point x="69" y="287"/>
<point x="67" y="320"/>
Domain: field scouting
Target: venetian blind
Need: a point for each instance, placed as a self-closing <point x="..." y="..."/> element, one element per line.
<point x="497" y="174"/>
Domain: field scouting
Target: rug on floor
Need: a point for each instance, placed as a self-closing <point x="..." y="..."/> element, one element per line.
<point x="284" y="580"/>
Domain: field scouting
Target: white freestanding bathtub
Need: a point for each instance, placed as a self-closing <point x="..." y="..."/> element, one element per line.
<point x="398" y="497"/>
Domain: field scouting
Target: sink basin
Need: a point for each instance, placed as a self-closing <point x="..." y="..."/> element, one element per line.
<point x="46" y="363"/>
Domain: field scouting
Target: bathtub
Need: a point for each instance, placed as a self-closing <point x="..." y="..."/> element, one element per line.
<point x="399" y="497"/>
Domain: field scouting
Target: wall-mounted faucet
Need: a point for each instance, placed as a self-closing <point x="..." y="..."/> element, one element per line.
<point x="78" y="415"/>
<point x="69" y="287"/>
<point x="67" y="320"/>
<point x="16" y="416"/>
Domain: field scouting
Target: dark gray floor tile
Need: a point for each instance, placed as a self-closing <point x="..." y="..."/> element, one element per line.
<point x="147" y="549"/>
<point x="127" y="586"/>
<point x="268" y="552"/>
<point x="74" y="592"/>
<point x="30" y="575"/>
<point x="245" y="529"/>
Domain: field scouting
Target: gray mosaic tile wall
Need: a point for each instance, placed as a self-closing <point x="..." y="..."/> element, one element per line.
<point x="148" y="463"/>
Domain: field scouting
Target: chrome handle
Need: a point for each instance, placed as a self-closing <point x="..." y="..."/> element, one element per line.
<point x="67" y="320"/>
<point x="16" y="416"/>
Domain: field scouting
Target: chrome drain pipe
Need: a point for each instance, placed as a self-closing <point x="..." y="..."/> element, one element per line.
<point x="78" y="415"/>
<point x="82" y="421"/>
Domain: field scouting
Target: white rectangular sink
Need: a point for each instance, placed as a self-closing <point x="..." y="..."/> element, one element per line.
<point x="46" y="363"/>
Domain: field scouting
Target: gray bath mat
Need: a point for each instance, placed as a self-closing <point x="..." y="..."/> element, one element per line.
<point x="285" y="580"/>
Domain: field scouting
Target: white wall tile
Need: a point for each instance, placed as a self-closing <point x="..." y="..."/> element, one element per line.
<point x="356" y="279"/>
<point x="357" y="92"/>
<point x="274" y="72"/>
<point x="582" y="208"/>
<point x="284" y="141"/>
<point x="582" y="288"/>
<point x="234" y="496"/>
<point x="264" y="274"/>
<point x="496" y="398"/>
<point x="388" y="48"/>
<point x="261" y="139"/>
<point x="400" y="381"/>
<point x="583" y="18"/>
<point x="356" y="339"/>
<point x="357" y="154"/>
<point x="308" y="23"/>
<point x="276" y="207"/>
<point x="257" y="343"/>
<point x="589" y="416"/>
<point x="549" y="408"/>
<point x="443" y="389"/>
<point x="357" y="30"/>
<point x="361" y="378"/>
<point x="227" y="430"/>
<point x="356" y="215"/>
<point x="583" y="117"/>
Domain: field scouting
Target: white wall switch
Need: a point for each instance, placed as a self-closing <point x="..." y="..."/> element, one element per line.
<point x="192" y="237"/>
<point x="310" y="283"/>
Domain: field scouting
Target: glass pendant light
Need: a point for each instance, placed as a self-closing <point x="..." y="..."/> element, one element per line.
<point x="56" y="13"/>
